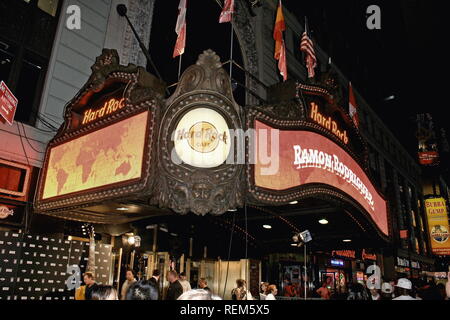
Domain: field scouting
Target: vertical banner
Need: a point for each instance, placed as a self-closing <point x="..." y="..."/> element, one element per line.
<point x="438" y="225"/>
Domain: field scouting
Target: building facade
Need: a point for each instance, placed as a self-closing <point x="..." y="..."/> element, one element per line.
<point x="60" y="63"/>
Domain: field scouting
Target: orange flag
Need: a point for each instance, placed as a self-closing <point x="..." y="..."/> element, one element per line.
<point x="280" y="26"/>
<point x="280" y="47"/>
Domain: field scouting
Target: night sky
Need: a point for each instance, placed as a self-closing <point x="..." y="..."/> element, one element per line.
<point x="406" y="58"/>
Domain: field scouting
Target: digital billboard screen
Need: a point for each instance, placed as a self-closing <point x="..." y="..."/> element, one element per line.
<point x="110" y="155"/>
<point x="309" y="158"/>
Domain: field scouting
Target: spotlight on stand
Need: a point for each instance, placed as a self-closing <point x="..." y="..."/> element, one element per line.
<point x="303" y="238"/>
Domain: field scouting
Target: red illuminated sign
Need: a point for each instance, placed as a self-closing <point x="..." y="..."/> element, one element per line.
<point x="308" y="158"/>
<point x="8" y="103"/>
<point x="344" y="253"/>
<point x="368" y="256"/>
<point x="428" y="158"/>
<point x="403" y="234"/>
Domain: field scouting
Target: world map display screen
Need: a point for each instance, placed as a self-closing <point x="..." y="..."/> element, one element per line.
<point x="297" y="158"/>
<point x="107" y="156"/>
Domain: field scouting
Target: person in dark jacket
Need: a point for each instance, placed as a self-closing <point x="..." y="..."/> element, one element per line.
<point x="89" y="280"/>
<point x="155" y="278"/>
<point x="175" y="288"/>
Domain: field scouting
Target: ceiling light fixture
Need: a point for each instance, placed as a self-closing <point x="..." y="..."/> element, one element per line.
<point x="293" y="202"/>
<point x="323" y="221"/>
<point x="122" y="209"/>
<point x="347" y="240"/>
<point x="267" y="226"/>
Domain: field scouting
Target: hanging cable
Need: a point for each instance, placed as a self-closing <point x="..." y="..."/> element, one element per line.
<point x="231" y="46"/>
<point x="246" y="233"/>
<point x="23" y="146"/>
<point x="28" y="140"/>
<point x="229" y="255"/>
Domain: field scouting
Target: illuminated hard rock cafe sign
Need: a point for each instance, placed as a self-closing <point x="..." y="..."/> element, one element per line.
<point x="108" y="108"/>
<point x="202" y="138"/>
<point x="327" y="122"/>
<point x="5" y="212"/>
<point x="196" y="141"/>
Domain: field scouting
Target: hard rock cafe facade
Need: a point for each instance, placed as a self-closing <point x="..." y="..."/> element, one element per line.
<point x="125" y="153"/>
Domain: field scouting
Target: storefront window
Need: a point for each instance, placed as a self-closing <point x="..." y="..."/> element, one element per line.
<point x="7" y="54"/>
<point x="24" y="53"/>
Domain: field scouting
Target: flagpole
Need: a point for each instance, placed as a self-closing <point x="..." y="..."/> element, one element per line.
<point x="231" y="47"/>
<point x="179" y="66"/>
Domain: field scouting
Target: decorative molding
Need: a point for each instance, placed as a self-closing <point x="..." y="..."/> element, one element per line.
<point x="143" y="93"/>
<point x="120" y="36"/>
<point x="243" y="26"/>
<point x="184" y="188"/>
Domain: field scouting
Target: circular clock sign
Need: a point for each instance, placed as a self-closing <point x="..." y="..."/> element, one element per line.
<point x="202" y="138"/>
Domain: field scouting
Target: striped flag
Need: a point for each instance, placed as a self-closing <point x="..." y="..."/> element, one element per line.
<point x="307" y="46"/>
<point x="180" y="29"/>
<point x="352" y="110"/>
<point x="280" y="48"/>
<point x="282" y="66"/>
<point x="227" y="11"/>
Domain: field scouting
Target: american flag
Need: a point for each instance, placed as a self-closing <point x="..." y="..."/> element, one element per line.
<point x="307" y="46"/>
<point x="227" y="12"/>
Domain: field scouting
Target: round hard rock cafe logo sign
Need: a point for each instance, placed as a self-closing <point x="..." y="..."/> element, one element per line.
<point x="440" y="234"/>
<point x="5" y="212"/>
<point x="202" y="138"/>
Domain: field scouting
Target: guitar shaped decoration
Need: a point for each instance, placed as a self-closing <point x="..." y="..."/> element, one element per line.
<point x="88" y="230"/>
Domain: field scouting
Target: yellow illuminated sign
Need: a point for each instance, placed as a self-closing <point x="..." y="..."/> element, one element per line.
<point x="438" y="225"/>
<point x="327" y="122"/>
<point x="109" y="107"/>
<point x="110" y="155"/>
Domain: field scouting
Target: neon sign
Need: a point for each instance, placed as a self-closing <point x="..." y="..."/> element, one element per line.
<point x="344" y="253"/>
<point x="327" y="123"/>
<point x="368" y="256"/>
<point x="108" y="108"/>
<point x="337" y="263"/>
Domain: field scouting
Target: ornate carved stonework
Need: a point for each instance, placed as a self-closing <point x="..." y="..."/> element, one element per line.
<point x="141" y="92"/>
<point x="120" y="36"/>
<point x="183" y="187"/>
<point x="245" y="32"/>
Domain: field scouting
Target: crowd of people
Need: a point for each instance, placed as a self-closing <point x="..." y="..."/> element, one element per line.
<point x="180" y="289"/>
<point x="402" y="289"/>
